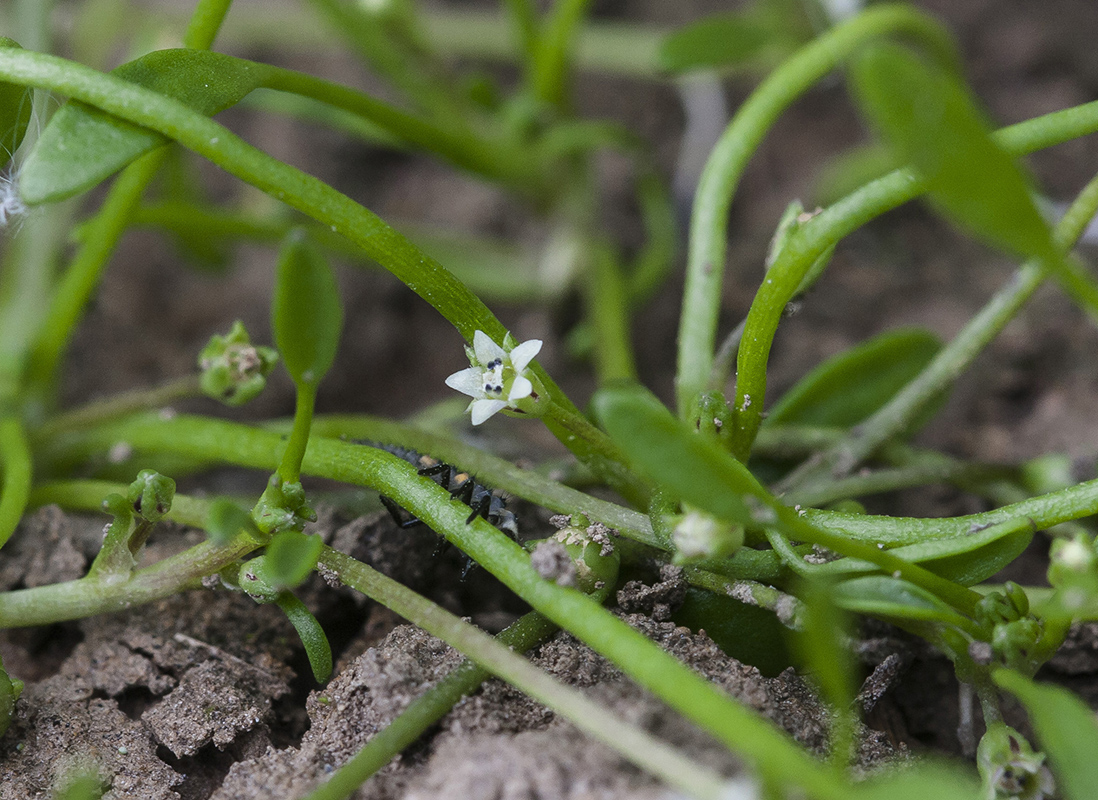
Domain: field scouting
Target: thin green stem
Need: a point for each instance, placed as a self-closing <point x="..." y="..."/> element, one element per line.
<point x="608" y="313"/>
<point x="119" y="405"/>
<point x="643" y="749"/>
<point x="787" y="608"/>
<point x="494" y="471"/>
<point x="773" y="753"/>
<point x="825" y="229"/>
<point x="15" y="474"/>
<point x="101" y="235"/>
<point x="492" y="269"/>
<point x="82" y="276"/>
<point x="656" y="256"/>
<point x="425" y="711"/>
<point x="389" y="42"/>
<point x="497" y="159"/>
<point x="955" y="357"/>
<point x="205" y="22"/>
<point x="921" y="473"/>
<point x="709" y="222"/>
<point x="554" y="52"/>
<point x="289" y="467"/>
<point x="524" y="19"/>
<point x="44" y="605"/>
<point x="422" y="274"/>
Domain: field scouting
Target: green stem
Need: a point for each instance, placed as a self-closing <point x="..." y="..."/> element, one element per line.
<point x="425" y="711"/>
<point x="921" y="473"/>
<point x="101" y="235"/>
<point x="496" y="159"/>
<point x="787" y="608"/>
<point x="83" y="274"/>
<point x="709" y="222"/>
<point x="743" y="731"/>
<point x="387" y="41"/>
<point x="643" y="749"/>
<point x="657" y="255"/>
<point x="205" y="22"/>
<point x="494" y="471"/>
<point x="429" y="279"/>
<point x="311" y="634"/>
<point x="44" y="605"/>
<point x="15" y="474"/>
<point x="813" y="238"/>
<point x="119" y="405"/>
<point x="607" y="311"/>
<point x="289" y="468"/>
<point x="555" y="51"/>
<point x="524" y="18"/>
<point x="956" y="357"/>
<point x="595" y="449"/>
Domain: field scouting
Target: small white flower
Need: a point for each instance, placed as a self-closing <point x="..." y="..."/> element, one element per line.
<point x="497" y="378"/>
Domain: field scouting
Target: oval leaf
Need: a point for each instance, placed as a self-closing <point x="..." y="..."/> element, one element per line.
<point x="893" y="599"/>
<point x="226" y="519"/>
<point x="728" y="39"/>
<point x="1067" y="730"/>
<point x="924" y="779"/>
<point x="690" y="466"/>
<point x="933" y="122"/>
<point x="312" y="635"/>
<point x="15" y="111"/>
<point x="847" y="388"/>
<point x="765" y="32"/>
<point x="82" y="145"/>
<point x="291" y="556"/>
<point x="966" y="560"/>
<point x="306" y="315"/>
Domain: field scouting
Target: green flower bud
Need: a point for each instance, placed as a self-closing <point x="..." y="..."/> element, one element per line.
<point x="151" y="495"/>
<point x="233" y="369"/>
<point x="1073" y="572"/>
<point x="255" y="579"/>
<point x="9" y="693"/>
<point x="282" y="508"/>
<point x="699" y="535"/>
<point x="1010" y="768"/>
<point x="710" y="414"/>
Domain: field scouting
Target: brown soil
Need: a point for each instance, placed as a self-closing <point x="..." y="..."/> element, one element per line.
<point x="208" y="695"/>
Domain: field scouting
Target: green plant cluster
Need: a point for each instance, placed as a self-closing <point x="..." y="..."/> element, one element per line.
<point x="745" y="501"/>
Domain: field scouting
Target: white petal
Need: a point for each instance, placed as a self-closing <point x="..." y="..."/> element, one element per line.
<point x="520" y="388"/>
<point x="468" y="381"/>
<point x="486" y="350"/>
<point x="524" y="354"/>
<point x="482" y="409"/>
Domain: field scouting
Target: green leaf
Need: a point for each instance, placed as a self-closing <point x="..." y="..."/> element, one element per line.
<point x="291" y="556"/>
<point x="720" y="40"/>
<point x="306" y="314"/>
<point x="847" y="388"/>
<point x="933" y="122"/>
<point x="312" y="635"/>
<point x="1066" y="728"/>
<point x="82" y="146"/>
<point x="9" y="693"/>
<point x="690" y="466"/>
<point x="967" y="560"/>
<point x="226" y="520"/>
<point x="15" y="111"/>
<point x="894" y="599"/>
<point x="821" y="644"/>
<point x="765" y="32"/>
<point x="926" y="779"/>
